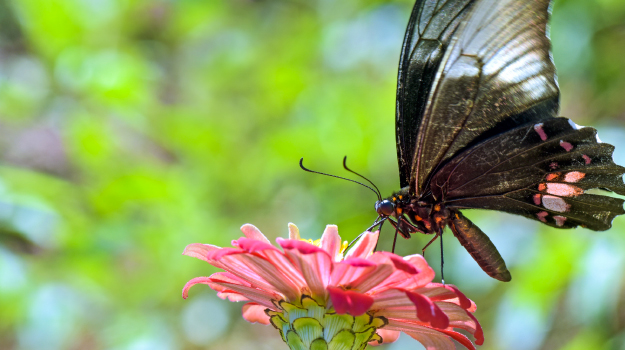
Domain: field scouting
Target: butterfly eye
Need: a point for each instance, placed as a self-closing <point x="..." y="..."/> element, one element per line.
<point x="385" y="207"/>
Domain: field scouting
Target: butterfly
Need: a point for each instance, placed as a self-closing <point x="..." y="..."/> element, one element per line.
<point x="477" y="127"/>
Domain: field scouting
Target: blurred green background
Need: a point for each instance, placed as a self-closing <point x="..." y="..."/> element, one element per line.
<point x="129" y="129"/>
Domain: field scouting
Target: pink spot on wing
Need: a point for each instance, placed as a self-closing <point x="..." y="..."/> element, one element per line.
<point x="574" y="176"/>
<point x="566" y="145"/>
<point x="564" y="190"/>
<point x="555" y="203"/>
<point x="586" y="159"/>
<point x="537" y="198"/>
<point x="551" y="177"/>
<point x="541" y="216"/>
<point x="541" y="132"/>
<point x="553" y="165"/>
<point x="559" y="220"/>
<point x="542" y="187"/>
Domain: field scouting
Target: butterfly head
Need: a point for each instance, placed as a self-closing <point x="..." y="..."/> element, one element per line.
<point x="385" y="207"/>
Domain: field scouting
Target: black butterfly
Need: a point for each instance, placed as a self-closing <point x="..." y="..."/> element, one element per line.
<point x="477" y="127"/>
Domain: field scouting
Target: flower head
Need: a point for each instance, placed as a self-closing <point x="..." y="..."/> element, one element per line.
<point x="320" y="297"/>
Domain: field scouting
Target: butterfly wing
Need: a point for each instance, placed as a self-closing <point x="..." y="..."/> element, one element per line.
<point x="429" y="32"/>
<point x="541" y="171"/>
<point x="496" y="74"/>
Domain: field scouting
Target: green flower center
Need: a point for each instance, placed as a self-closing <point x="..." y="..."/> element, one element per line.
<point x="310" y="326"/>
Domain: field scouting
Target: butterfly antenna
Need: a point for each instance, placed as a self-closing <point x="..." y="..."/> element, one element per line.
<point x="371" y="182"/>
<point x="301" y="165"/>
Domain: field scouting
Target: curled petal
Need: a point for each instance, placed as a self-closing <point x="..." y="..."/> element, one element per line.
<point x="479" y="333"/>
<point x="350" y="302"/>
<point x="331" y="242"/>
<point x="463" y="301"/>
<point x="428" y="311"/>
<point x="255" y="313"/>
<point x="250" y="231"/>
<point x="191" y="283"/>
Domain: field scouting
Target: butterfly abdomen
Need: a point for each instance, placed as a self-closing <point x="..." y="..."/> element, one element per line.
<point x="479" y="246"/>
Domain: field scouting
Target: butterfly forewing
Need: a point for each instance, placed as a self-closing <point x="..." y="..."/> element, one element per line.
<point x="429" y="31"/>
<point x="496" y="74"/>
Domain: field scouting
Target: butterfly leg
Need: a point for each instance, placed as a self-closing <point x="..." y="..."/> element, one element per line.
<point x="440" y="234"/>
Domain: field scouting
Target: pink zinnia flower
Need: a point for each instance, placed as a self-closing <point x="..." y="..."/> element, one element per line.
<point x="320" y="298"/>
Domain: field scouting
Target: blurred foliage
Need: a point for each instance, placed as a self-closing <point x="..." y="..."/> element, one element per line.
<point x="129" y="129"/>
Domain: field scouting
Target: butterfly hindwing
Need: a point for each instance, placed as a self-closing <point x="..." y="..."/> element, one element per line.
<point x="541" y="171"/>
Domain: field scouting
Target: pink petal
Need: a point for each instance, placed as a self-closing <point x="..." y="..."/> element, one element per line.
<point x="432" y="339"/>
<point x="387" y="336"/>
<point x="231" y="296"/>
<point x="440" y="292"/>
<point x="255" y="313"/>
<point x="350" y="302"/>
<point x="365" y="245"/>
<point x="460" y="338"/>
<point x="260" y="273"/>
<point x="347" y="271"/>
<point x="253" y="246"/>
<point x="392" y="298"/>
<point x="465" y="303"/>
<point x="427" y="311"/>
<point x="479" y="333"/>
<point x="368" y="280"/>
<point x="403" y="277"/>
<point x="191" y="283"/>
<point x="250" y="231"/>
<point x="331" y="242"/>
<point x="253" y="294"/>
<point x="220" y="253"/>
<point x="302" y="246"/>
<point x="314" y="263"/>
<point x="200" y="251"/>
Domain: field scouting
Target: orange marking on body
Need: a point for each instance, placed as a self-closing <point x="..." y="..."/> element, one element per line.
<point x="438" y="219"/>
<point x="564" y="190"/>
<point x="542" y="187"/>
<point x="437" y="207"/>
<point x="418" y="218"/>
<point x="399" y="210"/>
<point x="400" y="197"/>
<point x="574" y="176"/>
<point x="394" y="199"/>
<point x="457" y="216"/>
